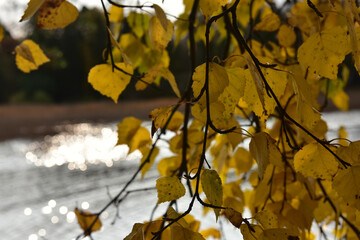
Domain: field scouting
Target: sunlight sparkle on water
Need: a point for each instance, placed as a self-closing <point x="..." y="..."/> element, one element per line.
<point x="63" y="210"/>
<point x="42" y="232"/>
<point x="54" y="219"/>
<point x="33" y="237"/>
<point x="52" y="203"/>
<point x="85" y="205"/>
<point x="70" y="217"/>
<point x="27" y="211"/>
<point x="77" y="146"/>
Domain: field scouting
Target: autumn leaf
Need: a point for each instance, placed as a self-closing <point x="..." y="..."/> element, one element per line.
<point x="208" y="7"/>
<point x="116" y="14"/>
<point x="161" y="16"/>
<point x="313" y="160"/>
<point x="159" y="116"/>
<point x="278" y="234"/>
<point x="250" y="232"/>
<point x="108" y="81"/>
<point x="326" y="59"/>
<point x="233" y="216"/>
<point x="86" y="220"/>
<point x="181" y="233"/>
<point x="139" y="23"/>
<point x="150" y="162"/>
<point x="1" y="33"/>
<point x="169" y="188"/>
<point x="212" y="187"/>
<point x="267" y="219"/>
<point x="286" y="35"/>
<point x="264" y="151"/>
<point x="211" y="232"/>
<point x="160" y="37"/>
<point x="29" y="56"/>
<point x="269" y="22"/>
<point x="347" y="181"/>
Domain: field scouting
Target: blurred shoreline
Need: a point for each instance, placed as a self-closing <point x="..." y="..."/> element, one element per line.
<point x="36" y="120"/>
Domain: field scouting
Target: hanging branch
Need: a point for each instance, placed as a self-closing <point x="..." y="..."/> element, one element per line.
<point x="271" y="93"/>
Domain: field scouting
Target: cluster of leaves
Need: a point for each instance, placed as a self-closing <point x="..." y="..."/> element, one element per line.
<point x="277" y="61"/>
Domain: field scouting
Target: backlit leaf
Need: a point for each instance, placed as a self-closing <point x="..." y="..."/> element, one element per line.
<point x="160" y="37"/>
<point x="167" y="166"/>
<point x="127" y="129"/>
<point x="211" y="184"/>
<point x="116" y="14"/>
<point x="109" y="82"/>
<point x="315" y="161"/>
<point x="319" y="55"/>
<point x="270" y="22"/>
<point x="169" y="188"/>
<point x="86" y="219"/>
<point x="29" y="56"/>
<point x="138" y="22"/>
<point x="56" y="14"/>
<point x="343" y="134"/>
<point x="251" y="232"/>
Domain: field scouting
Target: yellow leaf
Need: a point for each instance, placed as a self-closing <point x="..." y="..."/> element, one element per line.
<point x="264" y="150"/>
<point x="347" y="181"/>
<point x="160" y="115"/>
<point x="33" y="6"/>
<point x="313" y="160"/>
<point x="241" y="160"/>
<point x="116" y="44"/>
<point x="141" y="140"/>
<point x="319" y="54"/>
<point x="343" y="135"/>
<point x="138" y="22"/>
<point x="269" y="23"/>
<point x="176" y="121"/>
<point x="127" y="129"/>
<point x="169" y="188"/>
<point x="341" y="100"/>
<point x="167" y="166"/>
<point x="150" y="162"/>
<point x="137" y="232"/>
<point x="233" y="216"/>
<point x="278" y="234"/>
<point x="108" y="82"/>
<point x="267" y="219"/>
<point x="160" y="37"/>
<point x="211" y="232"/>
<point x="208" y="7"/>
<point x="211" y="184"/>
<point x="181" y="233"/>
<point x="250" y="233"/>
<point x="286" y="36"/>
<point x="161" y="16"/>
<point x="86" y="219"/>
<point x="116" y="14"/>
<point x="165" y="73"/>
<point x="29" y="56"/>
<point x="55" y="14"/>
<point x="1" y="33"/>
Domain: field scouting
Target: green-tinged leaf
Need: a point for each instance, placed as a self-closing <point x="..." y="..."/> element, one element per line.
<point x="108" y="81"/>
<point x="169" y="188"/>
<point x="211" y="185"/>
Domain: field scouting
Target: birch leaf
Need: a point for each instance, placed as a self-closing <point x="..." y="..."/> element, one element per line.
<point x="29" y="56"/>
<point x="169" y="188"/>
<point x="33" y="6"/>
<point x="211" y="184"/>
<point x="86" y="219"/>
<point x="315" y="161"/>
<point x="269" y="23"/>
<point x="319" y="54"/>
<point x="108" y="82"/>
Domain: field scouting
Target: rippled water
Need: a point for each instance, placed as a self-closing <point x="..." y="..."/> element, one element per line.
<point x="43" y="180"/>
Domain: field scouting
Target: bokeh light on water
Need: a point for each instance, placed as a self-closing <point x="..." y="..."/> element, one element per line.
<point x="77" y="146"/>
